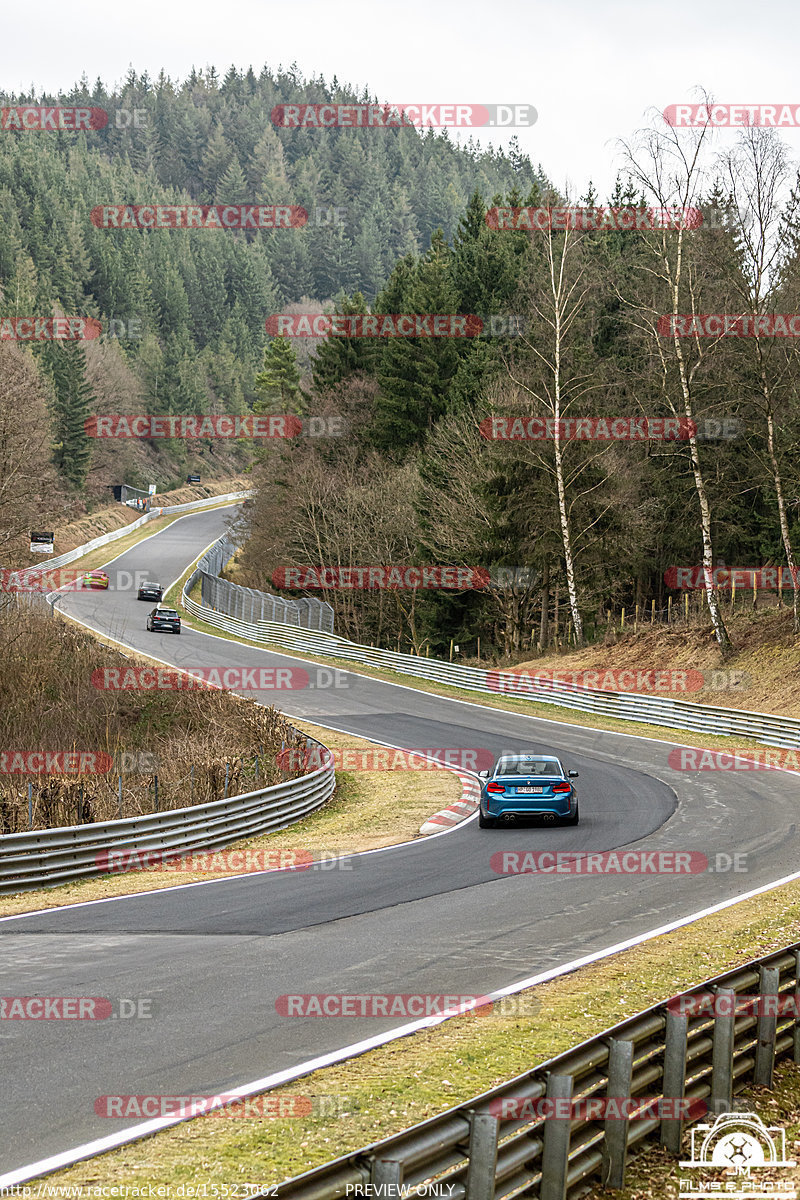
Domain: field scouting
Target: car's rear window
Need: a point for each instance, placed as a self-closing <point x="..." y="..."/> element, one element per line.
<point x="527" y="766"/>
<point x="166" y="612"/>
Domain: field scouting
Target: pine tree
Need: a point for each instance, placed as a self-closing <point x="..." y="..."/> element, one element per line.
<point x="339" y="357"/>
<point x="72" y="406"/>
<point x="278" y="384"/>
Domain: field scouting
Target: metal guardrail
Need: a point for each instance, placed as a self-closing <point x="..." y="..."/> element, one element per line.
<point x="52" y="856"/>
<point x="661" y="1052"/>
<point x="48" y="857"/>
<point x="242" y="603"/>
<point x="766" y="728"/>
<point x="106" y="538"/>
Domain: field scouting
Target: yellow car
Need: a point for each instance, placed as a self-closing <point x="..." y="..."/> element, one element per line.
<point x="95" y="579"/>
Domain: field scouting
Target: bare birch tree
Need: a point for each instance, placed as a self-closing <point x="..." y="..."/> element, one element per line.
<point x="551" y="376"/>
<point x="761" y="211"/>
<point x="669" y="166"/>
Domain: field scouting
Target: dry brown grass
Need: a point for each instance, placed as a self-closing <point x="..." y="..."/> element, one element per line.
<point x="115" y="516"/>
<point x="764" y="649"/>
<point x="368" y="809"/>
<point x="48" y="703"/>
<point x="394" y="1086"/>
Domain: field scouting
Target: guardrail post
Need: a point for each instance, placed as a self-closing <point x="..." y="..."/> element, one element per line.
<point x="386" y="1177"/>
<point x="119" y="795"/>
<point x="155" y="793"/>
<point x="722" y="1054"/>
<point x="227" y="772"/>
<point x="796" y="1054"/>
<point x="482" y="1155"/>
<point x="615" y="1142"/>
<point x="767" y="1027"/>
<point x="555" y="1151"/>
<point x="674" y="1080"/>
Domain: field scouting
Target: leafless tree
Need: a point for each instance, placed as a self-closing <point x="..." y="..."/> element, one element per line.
<point x="669" y="165"/>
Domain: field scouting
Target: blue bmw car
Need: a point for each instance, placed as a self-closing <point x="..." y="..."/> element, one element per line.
<point x="528" y="786"/>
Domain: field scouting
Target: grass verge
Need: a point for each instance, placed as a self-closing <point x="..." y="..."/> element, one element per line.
<point x="653" y="1174"/>
<point x="96" y="559"/>
<point x="368" y="809"/>
<point x="390" y="1088"/>
<point x="527" y="708"/>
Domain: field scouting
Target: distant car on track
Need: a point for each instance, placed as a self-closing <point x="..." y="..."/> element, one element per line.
<point x="164" y="618"/>
<point x="150" y="591"/>
<point x="528" y="785"/>
<point x="95" y="579"/>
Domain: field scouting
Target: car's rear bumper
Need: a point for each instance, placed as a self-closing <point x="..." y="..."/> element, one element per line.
<point x="518" y="806"/>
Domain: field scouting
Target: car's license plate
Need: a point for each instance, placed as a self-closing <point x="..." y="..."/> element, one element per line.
<point x="531" y="791"/>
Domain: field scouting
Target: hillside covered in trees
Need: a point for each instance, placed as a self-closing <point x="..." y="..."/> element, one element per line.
<point x="183" y="313"/>
<point x="579" y="323"/>
<point x="621" y="320"/>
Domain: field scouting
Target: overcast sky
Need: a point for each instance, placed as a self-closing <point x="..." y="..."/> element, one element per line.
<point x="593" y="69"/>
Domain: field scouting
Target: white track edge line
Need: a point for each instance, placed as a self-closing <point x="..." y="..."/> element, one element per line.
<point x="112" y="1141"/>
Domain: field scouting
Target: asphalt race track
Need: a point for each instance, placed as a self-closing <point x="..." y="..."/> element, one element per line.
<point x="429" y="916"/>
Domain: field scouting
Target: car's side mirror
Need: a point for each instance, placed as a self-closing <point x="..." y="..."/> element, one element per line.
<point x="484" y="775"/>
<point x="572" y="774"/>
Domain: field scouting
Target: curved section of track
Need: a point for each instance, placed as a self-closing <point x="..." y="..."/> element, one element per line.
<point x="429" y="916"/>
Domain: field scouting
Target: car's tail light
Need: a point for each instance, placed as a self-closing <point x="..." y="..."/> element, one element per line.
<point x="495" y="787"/>
<point x="562" y="787"/>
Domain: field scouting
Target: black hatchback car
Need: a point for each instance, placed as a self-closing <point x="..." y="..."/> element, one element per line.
<point x="150" y="591"/>
<point x="164" y="618"/>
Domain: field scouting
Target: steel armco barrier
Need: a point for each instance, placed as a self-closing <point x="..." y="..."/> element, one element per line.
<point x="38" y="599"/>
<point x="241" y="603"/>
<point x="106" y="538"/>
<point x="651" y="710"/>
<point x="660" y="1052"/>
<point x="48" y="857"/>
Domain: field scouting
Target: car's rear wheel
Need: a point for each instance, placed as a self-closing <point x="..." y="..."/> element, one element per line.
<point x="485" y="822"/>
<point x="575" y="818"/>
